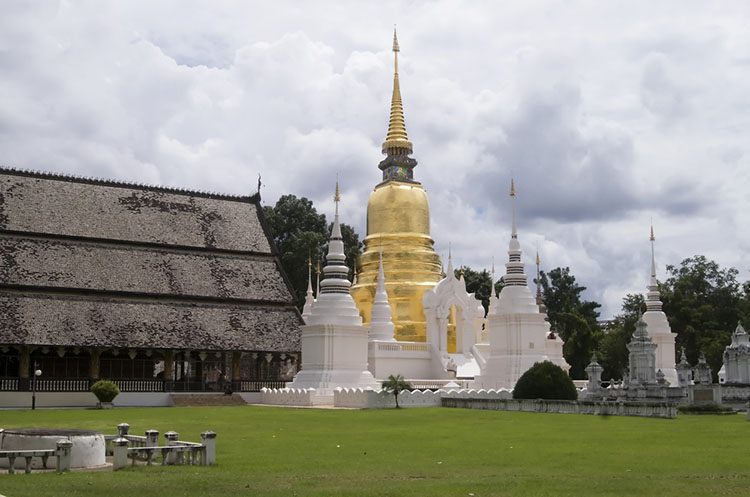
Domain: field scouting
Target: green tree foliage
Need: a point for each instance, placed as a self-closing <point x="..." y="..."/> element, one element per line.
<point x="612" y="351"/>
<point x="703" y="303"/>
<point x="299" y="232"/>
<point x="479" y="283"/>
<point x="574" y="319"/>
<point x="396" y="385"/>
<point x="545" y="380"/>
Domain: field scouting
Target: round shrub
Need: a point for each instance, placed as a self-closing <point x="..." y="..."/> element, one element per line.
<point x="105" y="390"/>
<point x="545" y="380"/>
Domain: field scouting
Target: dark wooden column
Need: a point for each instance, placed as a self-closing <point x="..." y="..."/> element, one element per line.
<point x="94" y="363"/>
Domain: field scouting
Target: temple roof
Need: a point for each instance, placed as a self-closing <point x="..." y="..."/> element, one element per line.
<point x="99" y="263"/>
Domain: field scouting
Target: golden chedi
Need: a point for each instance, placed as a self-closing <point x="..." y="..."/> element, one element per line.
<point x="398" y="224"/>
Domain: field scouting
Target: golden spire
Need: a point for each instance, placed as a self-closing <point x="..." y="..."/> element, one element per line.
<point x="336" y="196"/>
<point x="652" y="238"/>
<point x="537" y="258"/>
<point x="512" y="188"/>
<point x="396" y="142"/>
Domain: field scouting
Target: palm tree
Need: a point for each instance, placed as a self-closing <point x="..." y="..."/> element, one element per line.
<point x="396" y="385"/>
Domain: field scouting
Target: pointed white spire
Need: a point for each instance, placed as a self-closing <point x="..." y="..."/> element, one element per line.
<point x="335" y="271"/>
<point x="514" y="269"/>
<point x="309" y="299"/>
<point x="653" y="297"/>
<point x="334" y="304"/>
<point x="513" y="233"/>
<point x="449" y="273"/>
<point x="381" y="320"/>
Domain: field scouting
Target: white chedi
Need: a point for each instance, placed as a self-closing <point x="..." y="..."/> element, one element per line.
<point x="658" y="326"/>
<point x="334" y="341"/>
<point x="381" y="320"/>
<point x="519" y="335"/>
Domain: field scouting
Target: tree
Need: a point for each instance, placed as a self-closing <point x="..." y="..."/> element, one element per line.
<point x="703" y="302"/>
<point x="545" y="380"/>
<point x="573" y="319"/>
<point x="299" y="233"/>
<point x="479" y="283"/>
<point x="396" y="385"/>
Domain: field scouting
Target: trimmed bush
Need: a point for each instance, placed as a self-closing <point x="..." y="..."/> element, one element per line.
<point x="105" y="390"/>
<point x="545" y="380"/>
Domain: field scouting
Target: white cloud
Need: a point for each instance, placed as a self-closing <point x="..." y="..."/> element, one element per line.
<point x="606" y="115"/>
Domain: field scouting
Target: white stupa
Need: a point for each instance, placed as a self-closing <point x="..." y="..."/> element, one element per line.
<point x="658" y="326"/>
<point x="309" y="298"/>
<point x="334" y="342"/>
<point x="381" y="320"/>
<point x="518" y="331"/>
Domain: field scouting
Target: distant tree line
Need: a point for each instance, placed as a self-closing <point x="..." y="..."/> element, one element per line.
<point x="703" y="301"/>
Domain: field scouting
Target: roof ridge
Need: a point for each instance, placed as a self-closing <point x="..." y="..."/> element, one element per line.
<point x="254" y="198"/>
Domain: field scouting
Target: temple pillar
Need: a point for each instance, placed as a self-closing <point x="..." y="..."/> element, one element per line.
<point x="236" y="370"/>
<point x="24" y="362"/>
<point x="168" y="365"/>
<point x="94" y="363"/>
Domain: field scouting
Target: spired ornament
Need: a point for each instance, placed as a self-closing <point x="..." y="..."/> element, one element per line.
<point x="398" y="223"/>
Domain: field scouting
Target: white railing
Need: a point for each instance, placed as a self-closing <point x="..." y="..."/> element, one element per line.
<point x="124" y="447"/>
<point x="436" y="384"/>
<point x="62" y="452"/>
<point x="403" y="347"/>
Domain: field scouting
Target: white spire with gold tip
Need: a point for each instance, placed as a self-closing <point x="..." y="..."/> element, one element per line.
<point x="653" y="302"/>
<point x="381" y="321"/>
<point x="514" y="272"/>
<point x="658" y="325"/>
<point x="334" y="305"/>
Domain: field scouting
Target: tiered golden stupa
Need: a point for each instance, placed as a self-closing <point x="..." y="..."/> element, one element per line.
<point x="398" y="223"/>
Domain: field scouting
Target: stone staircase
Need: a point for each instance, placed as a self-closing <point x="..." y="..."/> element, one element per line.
<point x="206" y="399"/>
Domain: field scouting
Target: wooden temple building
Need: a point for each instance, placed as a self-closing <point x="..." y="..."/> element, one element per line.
<point x="157" y="289"/>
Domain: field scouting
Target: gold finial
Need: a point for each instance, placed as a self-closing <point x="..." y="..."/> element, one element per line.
<point x="309" y="259"/>
<point x="336" y="196"/>
<point x="317" y="270"/>
<point x="537" y="257"/>
<point x="512" y="188"/>
<point x="396" y="141"/>
<point x="652" y="238"/>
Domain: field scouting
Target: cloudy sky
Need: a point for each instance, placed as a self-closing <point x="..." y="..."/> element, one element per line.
<point x="607" y="114"/>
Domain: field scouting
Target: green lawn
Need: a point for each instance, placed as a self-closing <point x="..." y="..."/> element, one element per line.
<point x="424" y="452"/>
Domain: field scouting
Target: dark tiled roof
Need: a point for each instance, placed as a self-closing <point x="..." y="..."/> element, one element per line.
<point x="99" y="263"/>
<point x="85" y="322"/>
<point x="62" y="264"/>
<point x="56" y="206"/>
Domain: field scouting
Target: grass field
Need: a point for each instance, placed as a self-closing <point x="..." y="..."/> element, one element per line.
<point x="425" y="452"/>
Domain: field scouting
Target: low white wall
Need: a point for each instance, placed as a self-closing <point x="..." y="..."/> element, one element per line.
<point x="735" y="392"/>
<point x="368" y="399"/>
<point x="288" y="396"/>
<point x="645" y="409"/>
<point x="409" y="359"/>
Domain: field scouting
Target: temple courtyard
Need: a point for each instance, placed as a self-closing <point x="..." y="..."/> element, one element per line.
<point x="427" y="452"/>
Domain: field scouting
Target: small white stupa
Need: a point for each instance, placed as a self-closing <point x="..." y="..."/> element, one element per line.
<point x="381" y="320"/>
<point x="518" y="331"/>
<point x="658" y="326"/>
<point x="334" y="342"/>
<point x="736" y="367"/>
<point x="309" y="298"/>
